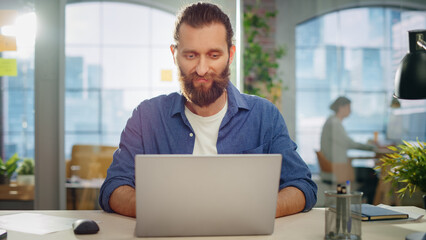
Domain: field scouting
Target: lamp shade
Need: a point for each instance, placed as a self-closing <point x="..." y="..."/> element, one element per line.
<point x="410" y="78"/>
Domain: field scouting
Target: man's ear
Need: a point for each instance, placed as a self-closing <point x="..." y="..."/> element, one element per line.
<point x="231" y="54"/>
<point x="172" y="49"/>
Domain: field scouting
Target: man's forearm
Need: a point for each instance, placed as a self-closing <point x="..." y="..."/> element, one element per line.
<point x="123" y="201"/>
<point x="290" y="201"/>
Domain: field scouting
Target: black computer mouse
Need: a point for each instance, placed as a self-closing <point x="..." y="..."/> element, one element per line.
<point x="85" y="226"/>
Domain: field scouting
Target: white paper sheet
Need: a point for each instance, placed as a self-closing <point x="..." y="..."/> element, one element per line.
<point x="35" y="223"/>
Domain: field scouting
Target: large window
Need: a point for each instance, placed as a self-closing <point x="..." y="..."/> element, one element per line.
<point x="17" y="92"/>
<point x="355" y="53"/>
<point x="117" y="55"/>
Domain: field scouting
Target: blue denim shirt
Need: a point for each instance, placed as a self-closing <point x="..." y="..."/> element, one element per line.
<point x="251" y="125"/>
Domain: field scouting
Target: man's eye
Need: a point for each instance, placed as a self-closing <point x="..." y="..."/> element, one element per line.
<point x="190" y="56"/>
<point x="214" y="55"/>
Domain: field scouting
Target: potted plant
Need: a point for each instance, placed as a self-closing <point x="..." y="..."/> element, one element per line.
<point x="26" y="172"/>
<point x="8" y="168"/>
<point x="405" y="168"/>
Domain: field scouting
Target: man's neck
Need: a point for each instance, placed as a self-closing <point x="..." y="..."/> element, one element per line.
<point x="209" y="110"/>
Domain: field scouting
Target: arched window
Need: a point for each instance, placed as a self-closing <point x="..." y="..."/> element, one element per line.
<point x="117" y="55"/>
<point x="354" y="52"/>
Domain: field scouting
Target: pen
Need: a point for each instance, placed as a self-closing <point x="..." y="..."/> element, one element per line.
<point x="349" y="205"/>
<point x="338" y="209"/>
<point x="348" y="186"/>
<point x="344" y="211"/>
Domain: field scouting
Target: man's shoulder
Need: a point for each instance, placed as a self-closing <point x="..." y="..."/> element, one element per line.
<point x="159" y="103"/>
<point x="256" y="102"/>
<point x="247" y="101"/>
<point x="161" y="100"/>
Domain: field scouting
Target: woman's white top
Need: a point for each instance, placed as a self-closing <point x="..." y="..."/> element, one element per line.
<point x="335" y="142"/>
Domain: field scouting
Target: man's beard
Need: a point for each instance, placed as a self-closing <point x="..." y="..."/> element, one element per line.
<point x="201" y="95"/>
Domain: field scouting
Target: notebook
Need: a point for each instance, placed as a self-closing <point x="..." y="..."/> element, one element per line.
<point x="372" y="213"/>
<point x="220" y="195"/>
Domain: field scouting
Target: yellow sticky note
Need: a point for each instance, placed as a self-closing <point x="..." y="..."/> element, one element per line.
<point x="7" y="43"/>
<point x="7" y="17"/>
<point x="166" y="75"/>
<point x="8" y="67"/>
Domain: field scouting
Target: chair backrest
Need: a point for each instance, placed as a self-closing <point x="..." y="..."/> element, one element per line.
<point x="341" y="171"/>
<point x="104" y="158"/>
<point x="325" y="164"/>
<point x="93" y="160"/>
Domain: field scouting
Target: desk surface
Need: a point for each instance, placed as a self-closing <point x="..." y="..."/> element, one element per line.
<point x="308" y="225"/>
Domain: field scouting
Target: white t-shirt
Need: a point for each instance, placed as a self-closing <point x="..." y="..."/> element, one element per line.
<point x="206" y="130"/>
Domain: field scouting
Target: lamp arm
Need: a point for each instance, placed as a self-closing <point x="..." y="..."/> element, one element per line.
<point x="421" y="43"/>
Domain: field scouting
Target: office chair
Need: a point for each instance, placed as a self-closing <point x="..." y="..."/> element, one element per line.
<point x="341" y="171"/>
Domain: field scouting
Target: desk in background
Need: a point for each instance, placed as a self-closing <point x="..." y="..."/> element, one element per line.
<point x="14" y="196"/>
<point x="308" y="226"/>
<point x="371" y="159"/>
<point x="83" y="195"/>
<point x="384" y="188"/>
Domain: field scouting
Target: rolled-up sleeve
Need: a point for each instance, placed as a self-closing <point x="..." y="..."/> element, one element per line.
<point x="122" y="169"/>
<point x="294" y="171"/>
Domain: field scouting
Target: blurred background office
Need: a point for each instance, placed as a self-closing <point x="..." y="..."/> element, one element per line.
<point x="94" y="61"/>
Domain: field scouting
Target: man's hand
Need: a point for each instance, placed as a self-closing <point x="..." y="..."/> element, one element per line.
<point x="290" y="201"/>
<point x="123" y="201"/>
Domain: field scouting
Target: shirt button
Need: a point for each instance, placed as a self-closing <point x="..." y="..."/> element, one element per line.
<point x="191" y="134"/>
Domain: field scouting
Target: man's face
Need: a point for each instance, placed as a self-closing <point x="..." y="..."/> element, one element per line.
<point x="203" y="59"/>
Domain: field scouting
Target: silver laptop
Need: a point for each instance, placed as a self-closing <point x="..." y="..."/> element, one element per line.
<point x="188" y="195"/>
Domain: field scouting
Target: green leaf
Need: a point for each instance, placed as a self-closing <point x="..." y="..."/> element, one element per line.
<point x="393" y="148"/>
<point x="401" y="190"/>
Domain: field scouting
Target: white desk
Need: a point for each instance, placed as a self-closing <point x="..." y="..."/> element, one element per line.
<point x="308" y="225"/>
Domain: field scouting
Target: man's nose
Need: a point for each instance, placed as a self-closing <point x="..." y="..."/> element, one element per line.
<point x="202" y="66"/>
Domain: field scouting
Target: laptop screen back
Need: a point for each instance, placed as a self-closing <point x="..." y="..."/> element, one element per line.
<point x="188" y="195"/>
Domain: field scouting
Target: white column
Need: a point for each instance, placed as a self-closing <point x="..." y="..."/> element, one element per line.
<point x="49" y="105"/>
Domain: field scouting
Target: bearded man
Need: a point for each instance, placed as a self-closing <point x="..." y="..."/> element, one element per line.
<point x="209" y="116"/>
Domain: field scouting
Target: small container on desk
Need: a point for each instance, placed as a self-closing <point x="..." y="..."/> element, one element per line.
<point x="343" y="215"/>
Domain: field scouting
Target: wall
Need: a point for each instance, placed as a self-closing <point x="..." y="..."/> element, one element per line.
<point x="293" y="12"/>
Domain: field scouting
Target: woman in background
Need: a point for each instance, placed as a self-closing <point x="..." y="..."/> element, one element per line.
<point x="335" y="143"/>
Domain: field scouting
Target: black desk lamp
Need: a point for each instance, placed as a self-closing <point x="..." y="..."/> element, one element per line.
<point x="410" y="78"/>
